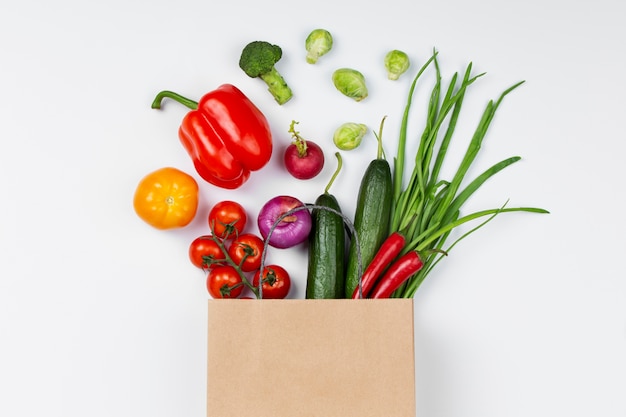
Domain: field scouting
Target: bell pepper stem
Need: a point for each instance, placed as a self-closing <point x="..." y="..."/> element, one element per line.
<point x="156" y="104"/>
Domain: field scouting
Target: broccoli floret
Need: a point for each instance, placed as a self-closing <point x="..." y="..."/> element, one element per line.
<point x="257" y="60"/>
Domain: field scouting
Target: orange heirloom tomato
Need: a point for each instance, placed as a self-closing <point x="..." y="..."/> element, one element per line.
<point x="167" y="198"/>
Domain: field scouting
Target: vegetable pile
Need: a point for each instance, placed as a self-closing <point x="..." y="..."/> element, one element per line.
<point x="404" y="216"/>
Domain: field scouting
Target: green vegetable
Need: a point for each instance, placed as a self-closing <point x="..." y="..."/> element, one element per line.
<point x="396" y="64"/>
<point x="348" y="136"/>
<point x="428" y="208"/>
<point x="318" y="43"/>
<point x="257" y="61"/>
<point x="350" y="83"/>
<point x="372" y="213"/>
<point x="327" y="247"/>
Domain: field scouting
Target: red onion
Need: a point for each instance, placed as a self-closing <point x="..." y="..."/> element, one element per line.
<point x="292" y="229"/>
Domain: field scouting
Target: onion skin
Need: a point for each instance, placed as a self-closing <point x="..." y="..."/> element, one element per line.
<point x="292" y="229"/>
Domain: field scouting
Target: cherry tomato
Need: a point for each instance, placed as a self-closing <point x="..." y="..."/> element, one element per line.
<point x="227" y="219"/>
<point x="276" y="281"/>
<point x="166" y="198"/>
<point x="205" y="253"/>
<point x="246" y="250"/>
<point x="224" y="282"/>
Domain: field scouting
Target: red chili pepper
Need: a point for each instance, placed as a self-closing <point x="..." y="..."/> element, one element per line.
<point x="398" y="272"/>
<point x="387" y="252"/>
<point x="225" y="134"/>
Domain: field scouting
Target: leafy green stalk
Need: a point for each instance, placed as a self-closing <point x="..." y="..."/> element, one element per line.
<point x="474" y="146"/>
<point x="441" y="235"/>
<point x="399" y="160"/>
<point x="422" y="182"/>
<point x="427" y="208"/>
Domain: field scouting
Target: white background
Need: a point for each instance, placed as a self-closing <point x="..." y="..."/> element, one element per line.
<point x="101" y="315"/>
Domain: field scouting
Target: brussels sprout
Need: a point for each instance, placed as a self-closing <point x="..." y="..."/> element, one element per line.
<point x="318" y="43"/>
<point x="350" y="83"/>
<point x="348" y="136"/>
<point x="396" y="63"/>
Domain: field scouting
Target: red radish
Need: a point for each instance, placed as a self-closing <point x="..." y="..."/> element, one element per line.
<point x="303" y="159"/>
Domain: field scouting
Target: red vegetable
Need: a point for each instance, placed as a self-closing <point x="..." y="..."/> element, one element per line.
<point x="387" y="252"/>
<point x="246" y="251"/>
<point x="303" y="159"/>
<point x="224" y="282"/>
<point x="276" y="282"/>
<point x="225" y="134"/>
<point x="398" y="272"/>
<point x="292" y="229"/>
<point x="227" y="219"/>
<point x="205" y="253"/>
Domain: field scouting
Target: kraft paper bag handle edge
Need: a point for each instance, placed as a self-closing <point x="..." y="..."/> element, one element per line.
<point x="346" y="221"/>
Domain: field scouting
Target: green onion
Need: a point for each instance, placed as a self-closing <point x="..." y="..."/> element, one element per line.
<point x="427" y="208"/>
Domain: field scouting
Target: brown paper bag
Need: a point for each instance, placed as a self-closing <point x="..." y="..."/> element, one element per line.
<point x="317" y="358"/>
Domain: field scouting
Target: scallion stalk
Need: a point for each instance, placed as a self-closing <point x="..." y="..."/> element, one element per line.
<point x="428" y="208"/>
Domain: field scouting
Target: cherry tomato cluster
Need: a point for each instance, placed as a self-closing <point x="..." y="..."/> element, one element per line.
<point x="231" y="257"/>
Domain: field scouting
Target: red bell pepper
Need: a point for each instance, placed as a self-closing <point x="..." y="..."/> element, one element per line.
<point x="225" y="134"/>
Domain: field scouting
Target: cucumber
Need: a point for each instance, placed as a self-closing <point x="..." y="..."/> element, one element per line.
<point x="371" y="219"/>
<point x="327" y="246"/>
<point x="327" y="251"/>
